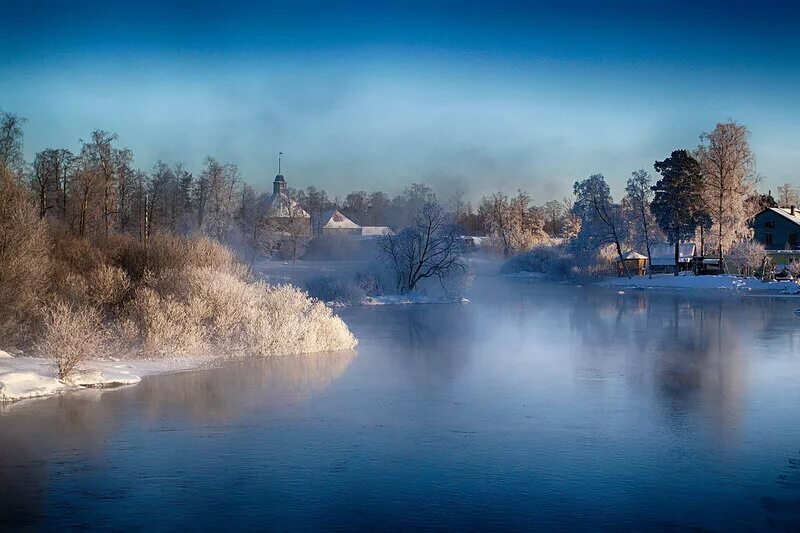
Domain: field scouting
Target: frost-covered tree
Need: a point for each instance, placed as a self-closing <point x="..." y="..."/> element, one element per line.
<point x="11" y="156"/>
<point x="602" y="222"/>
<point x="638" y="197"/>
<point x="678" y="203"/>
<point x="514" y="222"/>
<point x="105" y="162"/>
<point x="728" y="167"/>
<point x="788" y="194"/>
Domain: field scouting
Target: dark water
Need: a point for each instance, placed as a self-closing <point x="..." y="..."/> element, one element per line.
<point x="534" y="406"/>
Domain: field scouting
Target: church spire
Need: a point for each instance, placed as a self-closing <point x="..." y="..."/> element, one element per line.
<point x="279" y="185"/>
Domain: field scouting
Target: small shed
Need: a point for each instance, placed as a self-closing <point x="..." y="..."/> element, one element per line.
<point x="662" y="257"/>
<point x="636" y="263"/>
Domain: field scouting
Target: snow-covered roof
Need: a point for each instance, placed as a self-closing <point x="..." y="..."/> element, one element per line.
<point x="664" y="254"/>
<point x="633" y="255"/>
<point x="786" y="212"/>
<point x="376" y="230"/>
<point x="334" y="219"/>
<point x="281" y="206"/>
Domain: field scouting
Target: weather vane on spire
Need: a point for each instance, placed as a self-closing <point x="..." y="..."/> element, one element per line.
<point x="279" y="162"/>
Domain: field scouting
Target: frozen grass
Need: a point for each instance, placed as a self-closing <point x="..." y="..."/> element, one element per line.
<point x="332" y="289"/>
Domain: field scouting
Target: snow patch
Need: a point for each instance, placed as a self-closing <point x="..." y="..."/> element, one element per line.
<point x="409" y="299"/>
<point x="32" y="377"/>
<point x="721" y="282"/>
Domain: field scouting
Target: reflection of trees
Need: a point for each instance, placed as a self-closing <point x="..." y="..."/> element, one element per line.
<point x="34" y="434"/>
<point x="686" y="350"/>
<point x="431" y="340"/>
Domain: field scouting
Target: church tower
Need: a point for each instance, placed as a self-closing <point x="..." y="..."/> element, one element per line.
<point x="279" y="185"/>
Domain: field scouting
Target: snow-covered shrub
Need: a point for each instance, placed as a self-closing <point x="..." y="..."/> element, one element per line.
<point x="331" y="289"/>
<point x="202" y="310"/>
<point x="71" y="335"/>
<point x="746" y="256"/>
<point x="555" y="261"/>
<point x="794" y="268"/>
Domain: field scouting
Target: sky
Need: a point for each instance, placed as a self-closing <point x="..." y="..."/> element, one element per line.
<point x="377" y="95"/>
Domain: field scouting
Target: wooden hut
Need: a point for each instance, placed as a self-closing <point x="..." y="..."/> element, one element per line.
<point x="636" y="263"/>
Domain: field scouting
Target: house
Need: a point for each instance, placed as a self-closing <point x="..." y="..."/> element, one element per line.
<point x="335" y="223"/>
<point x="662" y="257"/>
<point x="777" y="228"/>
<point x="635" y="262"/>
<point x="285" y="211"/>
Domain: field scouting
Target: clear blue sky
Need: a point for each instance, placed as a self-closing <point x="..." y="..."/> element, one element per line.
<point x="376" y="95"/>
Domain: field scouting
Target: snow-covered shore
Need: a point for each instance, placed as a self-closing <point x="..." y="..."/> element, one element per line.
<point x="724" y="282"/>
<point x="31" y="377"/>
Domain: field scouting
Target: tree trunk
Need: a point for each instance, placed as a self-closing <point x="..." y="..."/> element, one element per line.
<point x="677" y="255"/>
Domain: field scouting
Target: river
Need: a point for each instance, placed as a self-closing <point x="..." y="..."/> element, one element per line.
<point x="535" y="405"/>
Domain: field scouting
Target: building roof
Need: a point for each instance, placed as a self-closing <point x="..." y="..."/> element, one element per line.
<point x="279" y="177"/>
<point x="785" y="212"/>
<point x="281" y="206"/>
<point x="663" y="254"/>
<point x="376" y="230"/>
<point x="335" y="220"/>
<point x="633" y="255"/>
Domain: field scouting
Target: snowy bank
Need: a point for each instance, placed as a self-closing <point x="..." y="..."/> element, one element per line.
<point x="409" y="299"/>
<point x="721" y="282"/>
<point x="32" y="377"/>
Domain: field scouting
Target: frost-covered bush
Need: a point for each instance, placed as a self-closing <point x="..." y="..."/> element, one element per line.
<point x="200" y="310"/>
<point x="104" y="287"/>
<point x="554" y="261"/>
<point x="746" y="256"/>
<point x="331" y="289"/>
<point x="564" y="262"/>
<point x="173" y="252"/>
<point x="71" y="335"/>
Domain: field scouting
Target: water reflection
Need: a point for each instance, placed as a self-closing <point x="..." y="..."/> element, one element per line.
<point x="40" y="439"/>
<point x="535" y="404"/>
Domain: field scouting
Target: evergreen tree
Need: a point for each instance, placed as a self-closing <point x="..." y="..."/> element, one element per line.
<point x="678" y="202"/>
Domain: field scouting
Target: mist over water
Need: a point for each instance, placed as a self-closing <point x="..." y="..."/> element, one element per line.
<point x="535" y="404"/>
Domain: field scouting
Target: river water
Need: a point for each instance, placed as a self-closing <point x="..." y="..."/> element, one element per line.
<point x="535" y="405"/>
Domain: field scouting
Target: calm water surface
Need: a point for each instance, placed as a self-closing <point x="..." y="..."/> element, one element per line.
<point x="536" y="405"/>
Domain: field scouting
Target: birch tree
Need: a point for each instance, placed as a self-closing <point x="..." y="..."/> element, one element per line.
<point x="728" y="167"/>
<point x="639" y="195"/>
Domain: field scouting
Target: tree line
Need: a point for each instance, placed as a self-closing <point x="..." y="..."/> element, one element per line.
<point x="707" y="194"/>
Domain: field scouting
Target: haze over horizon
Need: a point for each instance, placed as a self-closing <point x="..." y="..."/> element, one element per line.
<point x="358" y="96"/>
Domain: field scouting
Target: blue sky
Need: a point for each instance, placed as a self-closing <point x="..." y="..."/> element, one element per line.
<point x="359" y="96"/>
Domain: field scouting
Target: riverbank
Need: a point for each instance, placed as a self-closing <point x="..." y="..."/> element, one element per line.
<point x="23" y="377"/>
<point x="723" y="282"/>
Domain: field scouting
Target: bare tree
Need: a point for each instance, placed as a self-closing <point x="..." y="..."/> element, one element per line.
<point x="11" y="156"/>
<point x="729" y="178"/>
<point x="430" y="247"/>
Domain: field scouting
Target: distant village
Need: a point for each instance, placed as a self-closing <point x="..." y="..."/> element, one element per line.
<point x="699" y="210"/>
